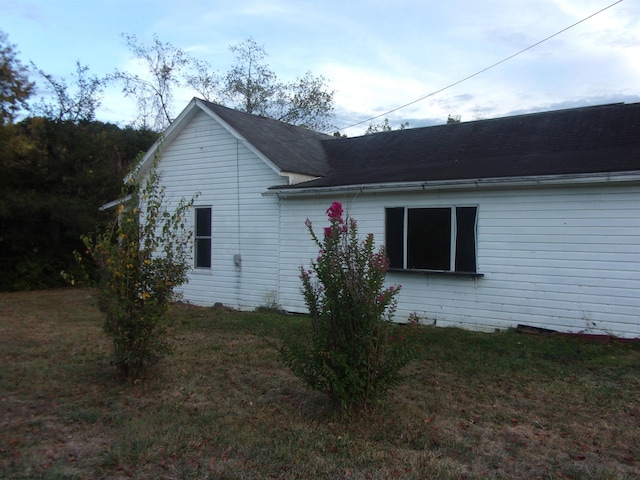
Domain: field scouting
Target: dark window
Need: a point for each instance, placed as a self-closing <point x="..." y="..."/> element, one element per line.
<point x="202" y="245"/>
<point x="466" y="239"/>
<point x="429" y="238"/>
<point x="442" y="239"/>
<point x="394" y="236"/>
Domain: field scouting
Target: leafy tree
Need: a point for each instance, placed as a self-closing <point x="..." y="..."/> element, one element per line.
<point x="55" y="172"/>
<point x="353" y="354"/>
<point x="15" y="87"/>
<point x="453" y="119"/>
<point x="306" y="102"/>
<point x="68" y="106"/>
<point x="206" y="82"/>
<point x="384" y="126"/>
<point x="54" y="175"/>
<point x="252" y="87"/>
<point x="141" y="259"/>
<point x="154" y="93"/>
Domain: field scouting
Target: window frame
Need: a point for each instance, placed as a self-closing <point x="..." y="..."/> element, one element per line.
<point x="457" y="246"/>
<point x="198" y="238"/>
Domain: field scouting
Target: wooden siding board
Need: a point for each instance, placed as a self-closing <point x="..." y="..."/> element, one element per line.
<point x="205" y="158"/>
<point x="566" y="258"/>
<point x="562" y="258"/>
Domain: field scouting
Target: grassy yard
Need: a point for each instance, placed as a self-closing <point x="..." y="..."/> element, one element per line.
<point x="473" y="406"/>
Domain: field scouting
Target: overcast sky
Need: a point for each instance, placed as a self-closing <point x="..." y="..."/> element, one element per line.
<point x="376" y="54"/>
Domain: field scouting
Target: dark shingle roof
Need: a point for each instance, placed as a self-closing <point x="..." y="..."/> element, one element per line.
<point x="587" y="140"/>
<point x="290" y="148"/>
<point x="577" y="141"/>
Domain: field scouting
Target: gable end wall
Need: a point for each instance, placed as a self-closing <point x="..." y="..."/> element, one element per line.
<point x="206" y="158"/>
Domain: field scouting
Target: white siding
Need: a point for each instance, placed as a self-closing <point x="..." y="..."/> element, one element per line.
<point x="561" y="258"/>
<point x="205" y="158"/>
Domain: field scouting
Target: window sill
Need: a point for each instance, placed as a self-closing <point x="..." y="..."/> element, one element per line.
<point x="446" y="273"/>
<point x="201" y="270"/>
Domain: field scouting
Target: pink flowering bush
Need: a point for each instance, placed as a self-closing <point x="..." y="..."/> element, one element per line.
<point x="354" y="352"/>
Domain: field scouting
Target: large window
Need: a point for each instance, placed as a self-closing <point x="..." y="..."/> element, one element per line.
<point x="442" y="239"/>
<point x="202" y="244"/>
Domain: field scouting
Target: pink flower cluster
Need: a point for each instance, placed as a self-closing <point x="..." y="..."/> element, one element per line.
<point x="380" y="261"/>
<point x="334" y="212"/>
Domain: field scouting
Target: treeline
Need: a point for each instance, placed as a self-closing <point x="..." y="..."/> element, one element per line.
<point x="54" y="176"/>
<point x="58" y="164"/>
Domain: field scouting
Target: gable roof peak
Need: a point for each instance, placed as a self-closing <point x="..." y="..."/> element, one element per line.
<point x="290" y="147"/>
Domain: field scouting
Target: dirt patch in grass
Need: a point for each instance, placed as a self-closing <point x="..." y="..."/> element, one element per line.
<point x="223" y="406"/>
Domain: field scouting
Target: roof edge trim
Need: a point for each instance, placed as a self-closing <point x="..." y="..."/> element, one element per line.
<point x="178" y="125"/>
<point x="540" y="180"/>
<point x="235" y="133"/>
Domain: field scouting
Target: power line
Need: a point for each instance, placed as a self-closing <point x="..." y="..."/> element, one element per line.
<point x="483" y="70"/>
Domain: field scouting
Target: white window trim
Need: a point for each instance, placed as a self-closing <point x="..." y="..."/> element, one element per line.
<point x="452" y="240"/>
<point x="197" y="237"/>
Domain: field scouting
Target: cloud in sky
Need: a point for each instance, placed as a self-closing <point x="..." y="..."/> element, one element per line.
<point x="376" y="54"/>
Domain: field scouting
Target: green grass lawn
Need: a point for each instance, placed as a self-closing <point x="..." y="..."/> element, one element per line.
<point x="223" y="406"/>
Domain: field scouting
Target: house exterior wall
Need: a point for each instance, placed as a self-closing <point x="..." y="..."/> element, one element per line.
<point x="566" y="259"/>
<point x="206" y="158"/>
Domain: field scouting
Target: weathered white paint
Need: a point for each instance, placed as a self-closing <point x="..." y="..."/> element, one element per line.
<point x="552" y="256"/>
<point x="560" y="258"/>
<point x="206" y="158"/>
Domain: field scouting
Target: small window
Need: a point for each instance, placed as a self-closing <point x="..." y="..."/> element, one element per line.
<point x="441" y="239"/>
<point x="202" y="244"/>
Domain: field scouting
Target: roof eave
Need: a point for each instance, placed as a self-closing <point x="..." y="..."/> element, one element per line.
<point x="177" y="126"/>
<point x="504" y="182"/>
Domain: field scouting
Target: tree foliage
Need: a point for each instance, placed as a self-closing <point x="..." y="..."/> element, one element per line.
<point x="204" y="81"/>
<point x="141" y="259"/>
<point x="383" y="126"/>
<point x="354" y="353"/>
<point x="56" y="169"/>
<point x="165" y="65"/>
<point x="249" y="85"/>
<point x="15" y="87"/>
<point x="54" y="176"/>
<point x="453" y="119"/>
<point x="69" y="105"/>
<point x="306" y="102"/>
<point x="59" y="165"/>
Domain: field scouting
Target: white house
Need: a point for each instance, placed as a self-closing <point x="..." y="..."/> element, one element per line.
<point x="531" y="219"/>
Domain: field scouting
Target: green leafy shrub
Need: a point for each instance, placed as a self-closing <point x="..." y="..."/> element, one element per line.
<point x="141" y="259"/>
<point x="354" y="353"/>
